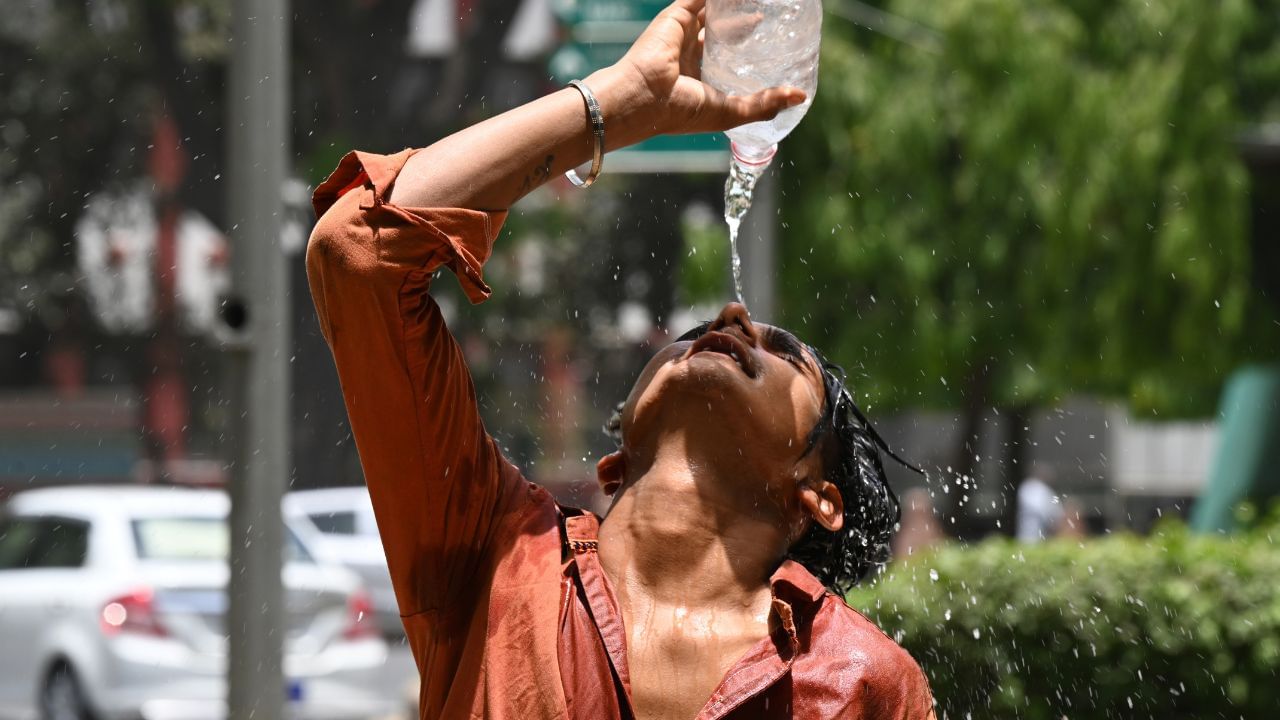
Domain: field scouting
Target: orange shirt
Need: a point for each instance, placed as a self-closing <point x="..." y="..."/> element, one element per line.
<point x="506" y="608"/>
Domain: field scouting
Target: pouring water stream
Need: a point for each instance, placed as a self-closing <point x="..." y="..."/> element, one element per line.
<point x="737" y="201"/>
<point x="752" y="45"/>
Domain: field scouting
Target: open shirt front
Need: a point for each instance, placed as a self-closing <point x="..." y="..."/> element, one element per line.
<point x="504" y="602"/>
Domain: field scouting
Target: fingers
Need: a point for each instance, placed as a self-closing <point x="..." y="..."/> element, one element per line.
<point x="763" y="105"/>
<point x="673" y="28"/>
<point x="687" y="18"/>
<point x="693" y="6"/>
<point x="736" y="29"/>
<point x="691" y="51"/>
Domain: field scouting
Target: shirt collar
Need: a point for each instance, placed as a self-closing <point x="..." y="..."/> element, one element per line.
<point x="796" y="592"/>
<point x="792" y="582"/>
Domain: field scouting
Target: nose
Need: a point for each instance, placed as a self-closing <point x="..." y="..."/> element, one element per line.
<point x="734" y="315"/>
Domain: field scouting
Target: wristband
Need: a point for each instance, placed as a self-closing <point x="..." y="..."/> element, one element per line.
<point x="597" y="131"/>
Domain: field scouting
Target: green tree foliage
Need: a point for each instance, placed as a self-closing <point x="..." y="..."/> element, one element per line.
<point x="1030" y="198"/>
<point x="1171" y="626"/>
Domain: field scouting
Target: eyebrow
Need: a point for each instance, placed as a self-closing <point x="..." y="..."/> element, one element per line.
<point x="786" y="342"/>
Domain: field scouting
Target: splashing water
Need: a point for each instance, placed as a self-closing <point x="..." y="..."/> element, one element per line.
<point x="737" y="201"/>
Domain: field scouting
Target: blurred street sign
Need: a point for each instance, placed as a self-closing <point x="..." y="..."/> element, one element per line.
<point x="598" y="34"/>
<point x="1248" y="452"/>
<point x="607" y="20"/>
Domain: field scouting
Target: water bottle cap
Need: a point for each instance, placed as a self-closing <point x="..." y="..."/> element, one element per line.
<point x="756" y="158"/>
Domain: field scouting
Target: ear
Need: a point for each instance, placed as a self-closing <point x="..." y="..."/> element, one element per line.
<point x="610" y="471"/>
<point x="822" y="501"/>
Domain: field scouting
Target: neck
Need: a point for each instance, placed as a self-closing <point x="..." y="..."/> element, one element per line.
<point x="682" y="534"/>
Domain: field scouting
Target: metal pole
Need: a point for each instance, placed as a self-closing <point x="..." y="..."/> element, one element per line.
<point x="759" y="256"/>
<point x="258" y="377"/>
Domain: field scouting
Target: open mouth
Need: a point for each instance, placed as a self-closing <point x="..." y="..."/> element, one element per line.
<point x="726" y="344"/>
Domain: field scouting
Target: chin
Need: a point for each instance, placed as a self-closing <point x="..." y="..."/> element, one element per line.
<point x="708" y="373"/>
<point x="696" y="387"/>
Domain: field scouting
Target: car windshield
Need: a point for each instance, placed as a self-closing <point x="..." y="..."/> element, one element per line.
<point x="194" y="539"/>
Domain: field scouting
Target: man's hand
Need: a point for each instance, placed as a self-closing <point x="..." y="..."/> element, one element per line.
<point x="653" y="90"/>
<point x="662" y="73"/>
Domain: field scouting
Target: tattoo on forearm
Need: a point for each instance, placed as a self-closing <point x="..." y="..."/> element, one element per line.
<point x="537" y="176"/>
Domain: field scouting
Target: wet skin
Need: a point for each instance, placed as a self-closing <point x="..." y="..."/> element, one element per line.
<point x="713" y="483"/>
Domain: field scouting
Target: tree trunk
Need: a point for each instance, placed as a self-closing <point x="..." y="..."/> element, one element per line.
<point x="964" y="463"/>
<point x="1014" y="464"/>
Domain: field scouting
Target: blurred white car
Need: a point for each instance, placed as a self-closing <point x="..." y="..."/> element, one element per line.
<point x="339" y="528"/>
<point x="113" y="605"/>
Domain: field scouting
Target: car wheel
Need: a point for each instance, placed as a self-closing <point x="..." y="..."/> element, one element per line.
<point x="61" y="697"/>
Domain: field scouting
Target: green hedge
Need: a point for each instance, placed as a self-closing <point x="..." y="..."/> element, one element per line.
<point x="1174" y="625"/>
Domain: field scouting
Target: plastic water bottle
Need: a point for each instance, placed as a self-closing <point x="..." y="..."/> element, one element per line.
<point x="752" y="45"/>
<point x="756" y="44"/>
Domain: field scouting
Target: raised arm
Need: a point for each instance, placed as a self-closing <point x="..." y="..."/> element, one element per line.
<point x="389" y="222"/>
<point x="654" y="90"/>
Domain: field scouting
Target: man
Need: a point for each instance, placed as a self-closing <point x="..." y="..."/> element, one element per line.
<point x="1040" y="512"/>
<point x="739" y="451"/>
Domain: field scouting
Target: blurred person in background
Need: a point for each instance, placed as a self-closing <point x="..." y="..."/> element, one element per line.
<point x="747" y="485"/>
<point x="1074" y="523"/>
<point x="1039" y="509"/>
<point x="918" y="530"/>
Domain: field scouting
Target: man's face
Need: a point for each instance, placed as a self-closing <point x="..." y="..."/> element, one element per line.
<point x="752" y="393"/>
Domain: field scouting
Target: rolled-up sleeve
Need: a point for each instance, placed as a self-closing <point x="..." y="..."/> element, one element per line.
<point x="432" y="471"/>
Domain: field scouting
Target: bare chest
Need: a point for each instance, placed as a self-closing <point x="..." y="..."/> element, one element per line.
<point x="675" y="669"/>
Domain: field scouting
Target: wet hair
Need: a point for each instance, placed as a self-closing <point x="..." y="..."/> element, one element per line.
<point x="850" y="449"/>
